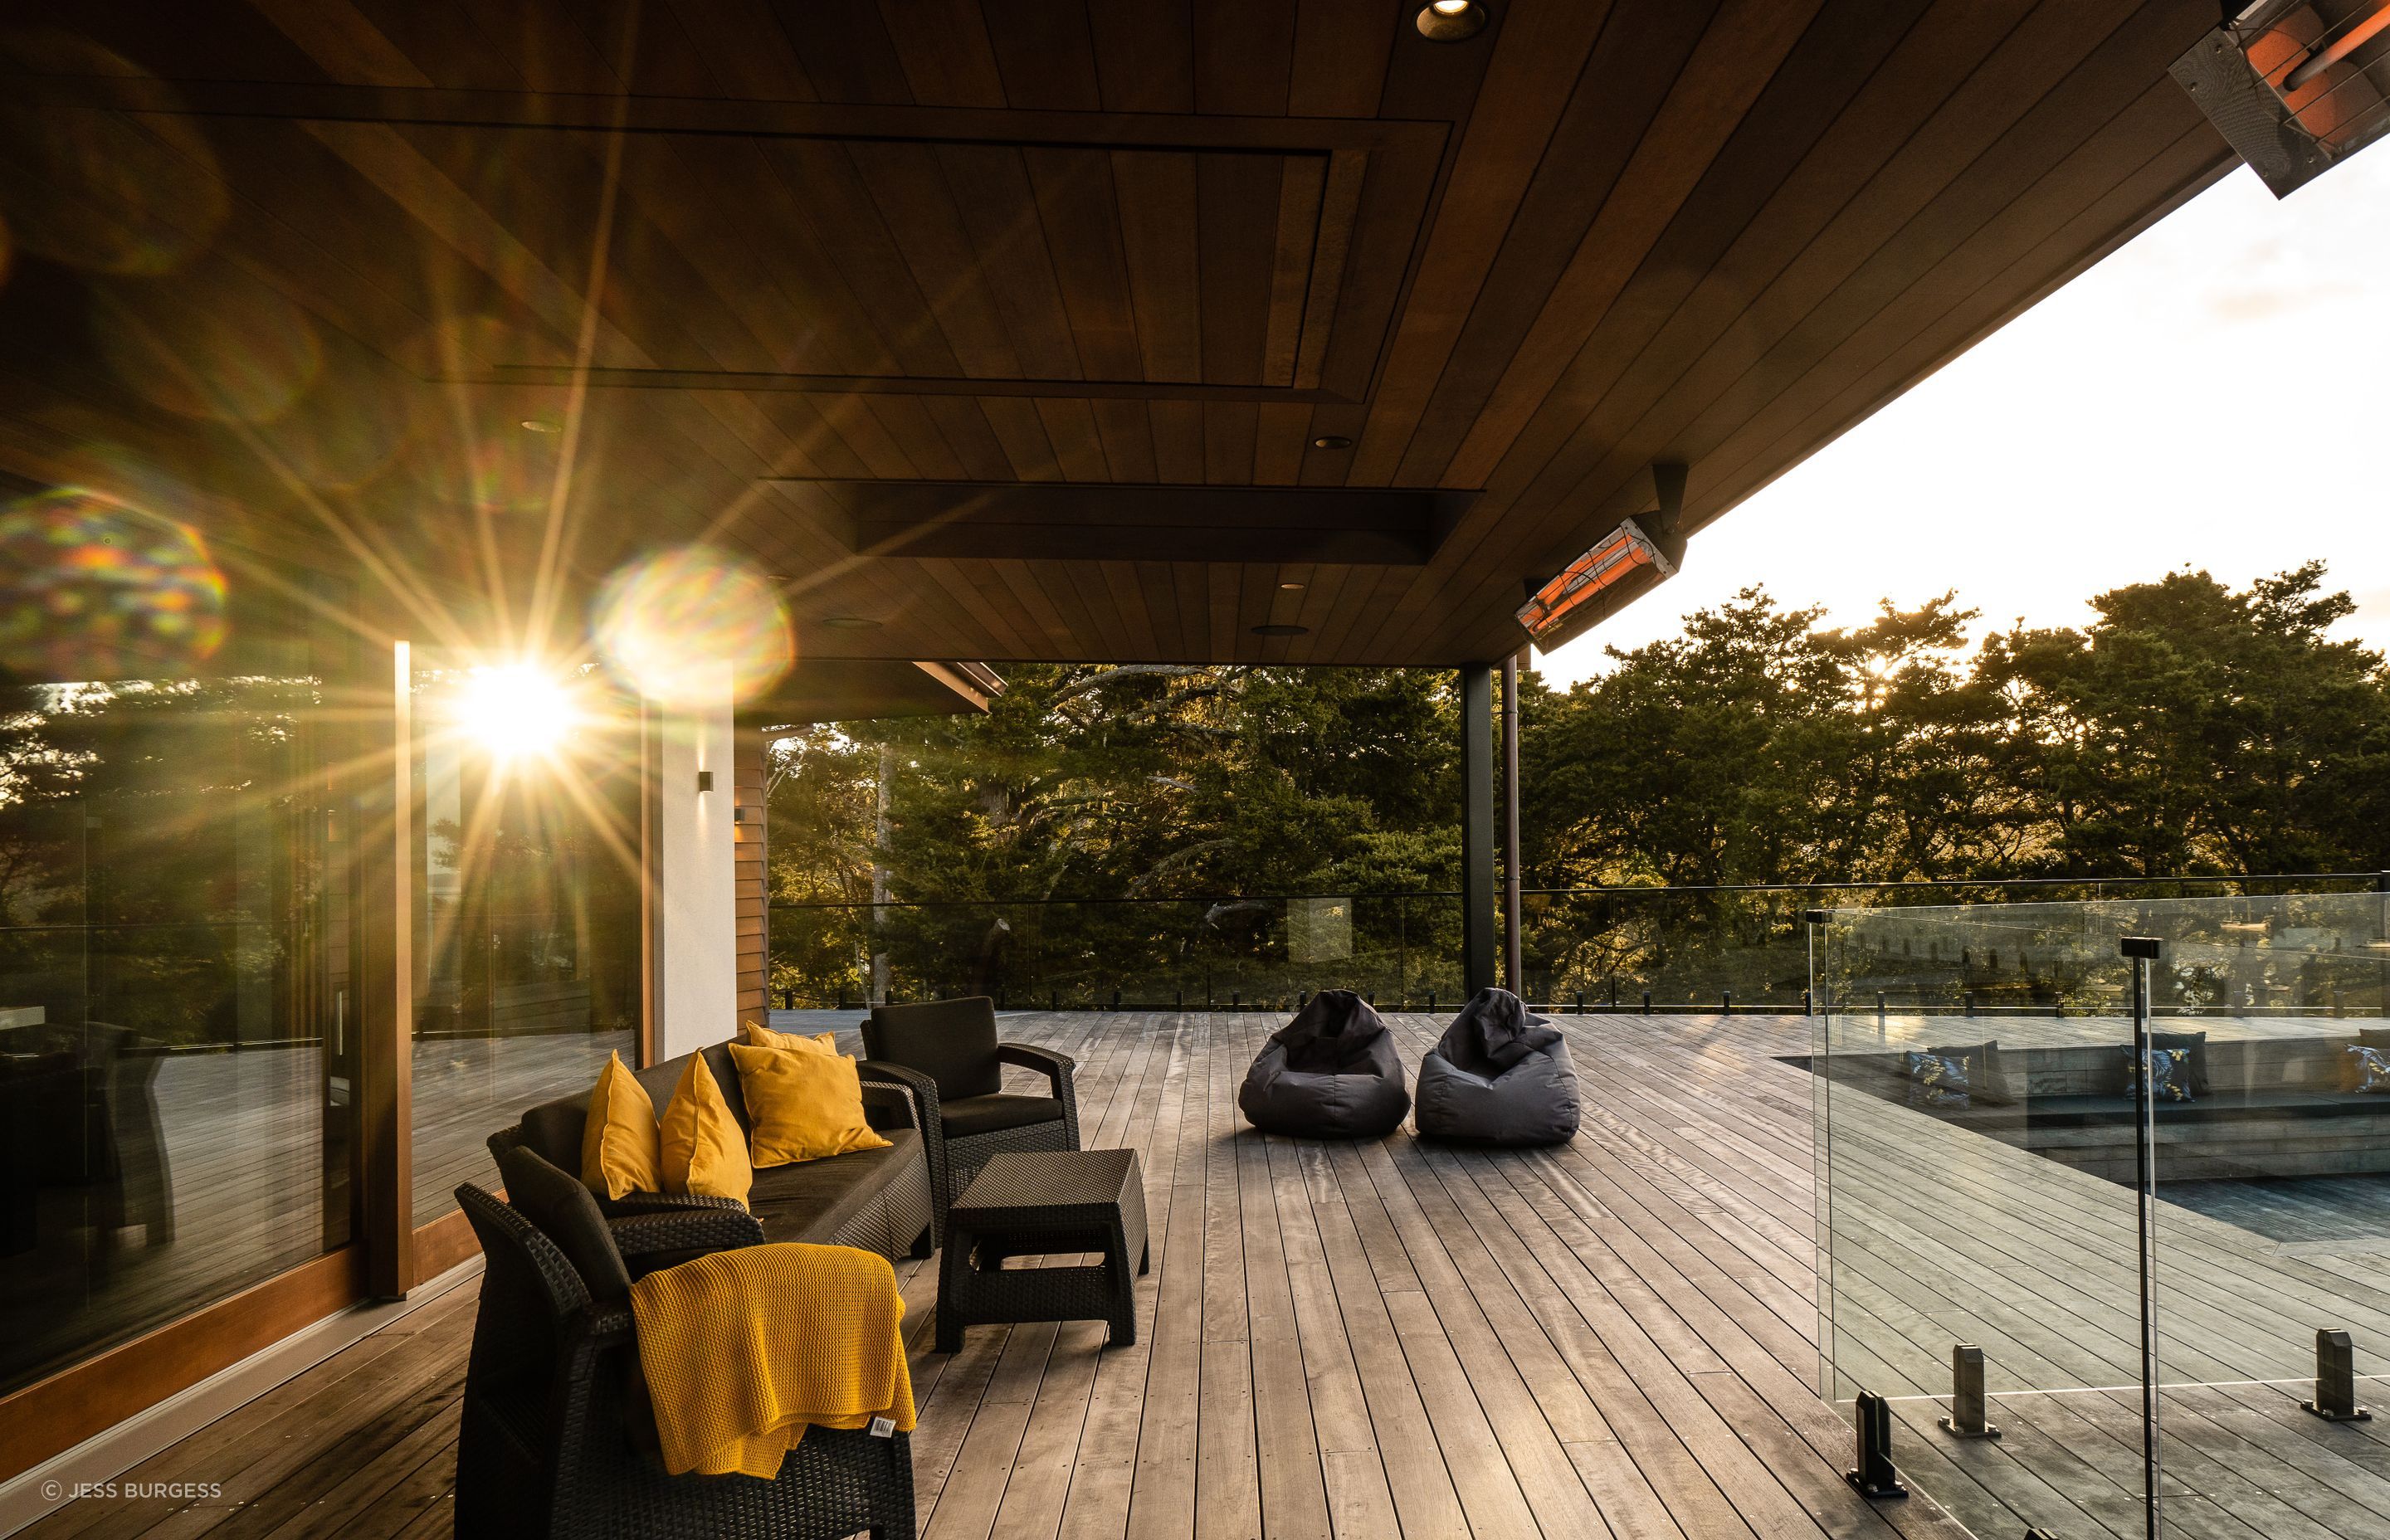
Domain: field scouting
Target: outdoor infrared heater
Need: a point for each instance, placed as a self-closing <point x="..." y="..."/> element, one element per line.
<point x="1635" y="554"/>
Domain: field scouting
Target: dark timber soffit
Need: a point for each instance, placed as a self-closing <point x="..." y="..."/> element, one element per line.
<point x="1362" y="526"/>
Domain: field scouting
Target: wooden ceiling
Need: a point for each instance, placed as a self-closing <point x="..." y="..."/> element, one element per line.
<point x="463" y="291"/>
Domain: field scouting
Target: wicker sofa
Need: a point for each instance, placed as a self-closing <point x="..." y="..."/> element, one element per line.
<point x="877" y="1199"/>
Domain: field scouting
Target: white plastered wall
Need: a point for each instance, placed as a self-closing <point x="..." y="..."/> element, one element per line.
<point x="697" y="907"/>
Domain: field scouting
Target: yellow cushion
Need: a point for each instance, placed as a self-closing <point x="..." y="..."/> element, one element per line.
<point x="704" y="1151"/>
<point x="802" y="1106"/>
<point x="764" y="1037"/>
<point x="618" y="1143"/>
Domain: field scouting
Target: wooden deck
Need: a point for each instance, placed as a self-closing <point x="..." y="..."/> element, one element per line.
<point x="1617" y="1337"/>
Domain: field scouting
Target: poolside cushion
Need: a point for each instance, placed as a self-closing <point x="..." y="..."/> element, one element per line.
<point x="2169" y="1073"/>
<point x="1936" y="1080"/>
<point x="1332" y="1072"/>
<point x="1499" y="1074"/>
<point x="802" y="1106"/>
<point x="2373" y="1068"/>
<point x="1988" y="1080"/>
<point x="567" y="1213"/>
<point x="619" y="1147"/>
<point x="2192" y="1046"/>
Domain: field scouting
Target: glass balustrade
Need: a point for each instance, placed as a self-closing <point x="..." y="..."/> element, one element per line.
<point x="1989" y="1130"/>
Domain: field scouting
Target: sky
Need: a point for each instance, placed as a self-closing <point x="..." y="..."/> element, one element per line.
<point x="2213" y="395"/>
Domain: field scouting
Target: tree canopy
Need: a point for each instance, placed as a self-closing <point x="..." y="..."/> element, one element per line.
<point x="2189" y="729"/>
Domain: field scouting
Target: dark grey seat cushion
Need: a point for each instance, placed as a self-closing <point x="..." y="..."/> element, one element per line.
<point x="1332" y="1072"/>
<point x="953" y="1042"/>
<point x="1499" y="1074"/>
<point x="812" y="1201"/>
<point x="567" y="1213"/>
<point x="990" y="1114"/>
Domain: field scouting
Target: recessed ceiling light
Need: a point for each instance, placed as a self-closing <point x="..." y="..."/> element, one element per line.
<point x="1291" y="588"/>
<point x="1451" y="21"/>
<point x="542" y="425"/>
<point x="1332" y="440"/>
<point x="1281" y="631"/>
<point x="850" y="622"/>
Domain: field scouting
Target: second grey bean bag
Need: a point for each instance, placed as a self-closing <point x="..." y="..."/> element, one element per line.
<point x="1330" y="1074"/>
<point x="1499" y="1074"/>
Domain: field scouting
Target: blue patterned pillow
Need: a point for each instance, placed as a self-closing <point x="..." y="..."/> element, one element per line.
<point x="1936" y="1080"/>
<point x="2169" y="1073"/>
<point x="2373" y="1068"/>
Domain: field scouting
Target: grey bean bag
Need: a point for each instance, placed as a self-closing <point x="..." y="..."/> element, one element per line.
<point x="1330" y="1074"/>
<point x="1499" y="1074"/>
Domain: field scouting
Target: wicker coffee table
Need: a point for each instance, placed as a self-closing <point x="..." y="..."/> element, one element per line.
<point x="1037" y="1204"/>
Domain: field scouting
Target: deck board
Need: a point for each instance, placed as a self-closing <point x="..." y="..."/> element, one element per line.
<point x="1616" y="1338"/>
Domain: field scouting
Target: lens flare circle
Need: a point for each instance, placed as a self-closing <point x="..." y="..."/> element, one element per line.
<point x="670" y="624"/>
<point x="516" y="710"/>
<point x="94" y="588"/>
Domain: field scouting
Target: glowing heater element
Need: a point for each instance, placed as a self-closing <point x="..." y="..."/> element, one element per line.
<point x="516" y="710"/>
<point x="1622" y="555"/>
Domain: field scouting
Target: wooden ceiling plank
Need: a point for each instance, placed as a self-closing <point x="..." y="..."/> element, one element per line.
<point x="944" y="49"/>
<point x="991" y="188"/>
<point x="740" y="41"/>
<point x="1244" y="56"/>
<point x="1302" y="179"/>
<point x="1847" y="197"/>
<point x="809" y="432"/>
<point x="1087" y="579"/>
<point x="909" y="191"/>
<point x="1904" y="220"/>
<point x="1045" y="53"/>
<point x="1538" y="73"/>
<point x="1160" y="602"/>
<point x="1156" y="197"/>
<point x="1071" y="429"/>
<point x="1230" y="431"/>
<point x="1986" y="200"/>
<point x="846" y="51"/>
<point x="993" y="637"/>
<point x="1042" y="616"/>
<point x="444" y="42"/>
<point x="1338" y="69"/>
<point x="1128" y="598"/>
<point x="1192" y="591"/>
<point x="735" y="174"/>
<point x="1281" y="434"/>
<point x="1018" y="427"/>
<point x="1237" y="201"/>
<point x="908" y="423"/>
<point x="1332" y="249"/>
<point x="1742" y="48"/>
<point x="342" y="41"/>
<point x="1073" y="188"/>
<point x="1126" y="432"/>
<point x="850" y="416"/>
<point x="1177" y="441"/>
<point x="973" y="440"/>
<point x="1024" y="634"/>
<point x="1227" y="638"/>
<point x="1145" y="57"/>
<point x="848" y="227"/>
<point x="1644" y="51"/>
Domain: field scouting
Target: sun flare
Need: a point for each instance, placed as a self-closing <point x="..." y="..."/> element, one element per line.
<point x="517" y="709"/>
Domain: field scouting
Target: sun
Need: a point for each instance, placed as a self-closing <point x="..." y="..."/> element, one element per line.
<point x="516" y="710"/>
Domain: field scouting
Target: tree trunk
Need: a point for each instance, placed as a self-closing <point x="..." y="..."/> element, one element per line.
<point x="879" y="876"/>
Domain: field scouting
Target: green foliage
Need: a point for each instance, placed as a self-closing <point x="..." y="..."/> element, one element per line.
<point x="2189" y="729"/>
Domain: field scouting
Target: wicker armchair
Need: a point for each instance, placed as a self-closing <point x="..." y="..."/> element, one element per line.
<point x="946" y="1052"/>
<point x="558" y="1438"/>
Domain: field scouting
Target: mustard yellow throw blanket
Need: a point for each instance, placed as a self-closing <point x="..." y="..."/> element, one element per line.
<point x="743" y="1349"/>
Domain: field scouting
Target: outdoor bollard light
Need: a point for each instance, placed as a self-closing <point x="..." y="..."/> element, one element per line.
<point x="1054" y="1000"/>
<point x="1966" y="1419"/>
<point x="1647" y="1002"/>
<point x="2335" y="1396"/>
<point x="1726" y="1001"/>
<point x="1580" y="1002"/>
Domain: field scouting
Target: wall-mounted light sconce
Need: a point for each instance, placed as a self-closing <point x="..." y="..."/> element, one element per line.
<point x="705" y="780"/>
